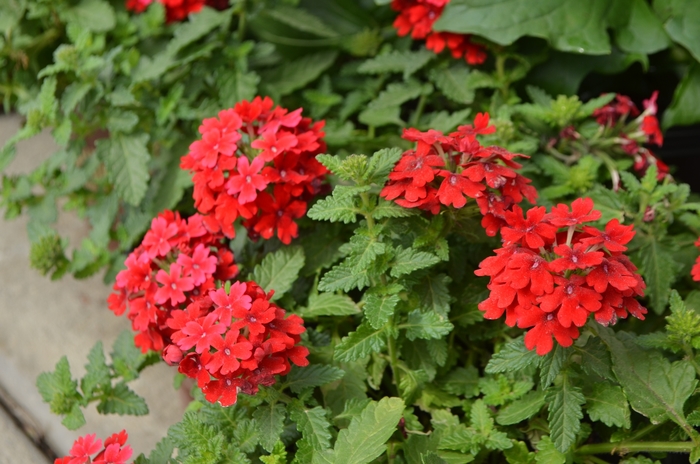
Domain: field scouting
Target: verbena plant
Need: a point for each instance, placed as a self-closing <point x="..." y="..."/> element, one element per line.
<point x="330" y="279"/>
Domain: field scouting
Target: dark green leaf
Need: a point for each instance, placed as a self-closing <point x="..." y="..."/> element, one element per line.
<point x="297" y="73"/>
<point x="683" y="25"/>
<point x="547" y="452"/>
<point x="643" y="32"/>
<point x="462" y="381"/>
<point x="408" y="260"/>
<point x="334" y="209"/>
<point x="329" y="304"/>
<point x="97" y="372"/>
<point x="551" y="364"/>
<point x="686" y="100"/>
<point x="126" y="358"/>
<point x="364" y="341"/>
<point x="565" y="413"/>
<point x="426" y="325"/>
<point x="397" y="61"/>
<point x="522" y="408"/>
<point x="454" y="83"/>
<point x="269" y="420"/>
<point x="513" y="357"/>
<point x="279" y="270"/>
<point x="379" y="308"/>
<point x="313" y="376"/>
<point x="608" y="404"/>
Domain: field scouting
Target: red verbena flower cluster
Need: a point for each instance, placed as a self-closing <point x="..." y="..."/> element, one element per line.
<point x="695" y="272"/>
<point x="643" y="128"/>
<point x="235" y="339"/>
<point x="177" y="262"/>
<point x="230" y="339"/>
<point x="416" y="17"/>
<point x="259" y="163"/>
<point x="554" y="271"/>
<point x="113" y="451"/>
<point x="177" y="10"/>
<point x="446" y="169"/>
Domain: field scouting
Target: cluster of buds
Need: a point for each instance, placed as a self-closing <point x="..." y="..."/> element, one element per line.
<point x="259" y="163"/>
<point x="444" y="170"/>
<point x="643" y="128"/>
<point x="114" y="451"/>
<point x="416" y="17"/>
<point x="230" y="339"/>
<point x="695" y="272"/>
<point x="177" y="10"/>
<point x="554" y="271"/>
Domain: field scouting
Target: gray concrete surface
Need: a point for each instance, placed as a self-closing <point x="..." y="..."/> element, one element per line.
<point x="11" y="438"/>
<point x="41" y="320"/>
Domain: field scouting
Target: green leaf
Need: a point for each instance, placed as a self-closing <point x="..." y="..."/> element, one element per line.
<point x="380" y="165"/>
<point x="643" y="32"/>
<point x="684" y="108"/>
<point x="568" y="25"/>
<point x="334" y="209"/>
<point x="519" y="454"/>
<point x="607" y="403"/>
<point x="364" y="341"/>
<point x="279" y="270"/>
<point x="521" y="409"/>
<point x="329" y="304"/>
<point x="313" y="376"/>
<point x="300" y="20"/>
<point x="654" y="387"/>
<point x="454" y="83"/>
<point x="426" y="325"/>
<point x="595" y="358"/>
<point x="462" y="381"/>
<point x="237" y="86"/>
<point x="397" y="61"/>
<point x="93" y="15"/>
<point x="343" y="277"/>
<point x="74" y="419"/>
<point x="379" y="308"/>
<point x="513" y="357"/>
<point x="445" y="122"/>
<point x="659" y="270"/>
<point x="295" y="74"/>
<point x="434" y="294"/>
<point x="269" y="420"/>
<point x="127" y="158"/>
<point x="364" y="439"/>
<point x="547" y="452"/>
<point x="396" y="94"/>
<point x="408" y="260"/>
<point x="97" y="372"/>
<point x="197" y="442"/>
<point x="551" y="364"/>
<point x="565" y="413"/>
<point x="121" y="400"/>
<point x="388" y="209"/>
<point x="313" y="425"/>
<point x="162" y="453"/>
<point x="126" y="358"/>
<point x="682" y="24"/>
<point x="378" y="117"/>
<point x="58" y="388"/>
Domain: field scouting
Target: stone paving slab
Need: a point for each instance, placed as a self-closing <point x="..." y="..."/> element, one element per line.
<point x="42" y="320"/>
<point x="16" y="447"/>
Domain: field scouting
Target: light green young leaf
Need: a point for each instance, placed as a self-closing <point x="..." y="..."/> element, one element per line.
<point x="381" y="163"/>
<point x="365" y="438"/>
<point x="408" y="260"/>
<point x="608" y="404"/>
<point x="426" y="325"/>
<point x="93" y="15"/>
<point x="364" y="341"/>
<point x="269" y="420"/>
<point x="547" y="453"/>
<point x="58" y="388"/>
<point x="121" y="400"/>
<point x="312" y="376"/>
<point x="329" y="304"/>
<point x="522" y="408"/>
<point x="74" y="419"/>
<point x="334" y="209"/>
<point x="379" y="308"/>
<point x="127" y="158"/>
<point x="565" y="413"/>
<point x="513" y="357"/>
<point x="279" y="270"/>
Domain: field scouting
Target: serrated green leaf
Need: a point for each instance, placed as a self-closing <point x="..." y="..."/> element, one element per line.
<point x="565" y="413"/>
<point x="343" y="277"/>
<point x="269" y="420"/>
<point x="659" y="270"/>
<point x="547" y="453"/>
<point x="519" y="454"/>
<point x="379" y="308"/>
<point x="313" y="425"/>
<point x="446" y="122"/>
<point x="396" y="94"/>
<point x="387" y="209"/>
<point x="595" y="358"/>
<point x="434" y="293"/>
<point x="74" y="419"/>
<point x="426" y="325"/>
<point x="334" y="210"/>
<point x="378" y="117"/>
<point x="121" y="400"/>
<point x="97" y="373"/>
<point x="162" y="453"/>
<point x="300" y="20"/>
<point x="313" y="376"/>
<point x="364" y="341"/>
<point x="127" y="158"/>
<point x="513" y="357"/>
<point x="521" y="409"/>
<point x="92" y="15"/>
<point x="462" y="381"/>
<point x="551" y="364"/>
<point x="122" y="121"/>
<point x="126" y="358"/>
<point x="654" y="387"/>
<point x="397" y="61"/>
<point x="381" y="163"/>
<point x="279" y="270"/>
<point x="366" y="436"/>
<point x="408" y="260"/>
<point x="58" y="388"/>
<point x="329" y="304"/>
<point x="454" y="83"/>
<point x="195" y="441"/>
<point x="237" y="86"/>
<point x="607" y="403"/>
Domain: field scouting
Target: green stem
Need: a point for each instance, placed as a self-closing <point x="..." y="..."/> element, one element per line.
<point x="241" y="24"/>
<point x="394" y="361"/>
<point x="691" y="357"/>
<point x="501" y="73"/>
<point x="643" y="432"/>
<point x="624" y="447"/>
<point x="415" y="117"/>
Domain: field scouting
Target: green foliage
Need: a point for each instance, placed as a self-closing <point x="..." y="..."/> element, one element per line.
<point x="279" y="270"/>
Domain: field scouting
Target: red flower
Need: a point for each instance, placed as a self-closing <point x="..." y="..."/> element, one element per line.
<point x="174" y="285"/>
<point x="203" y="333"/>
<point x="581" y="211"/>
<point x="533" y="230"/>
<point x="273" y="144"/>
<point x="83" y="448"/>
<point x="158" y="239"/>
<point x="236" y="300"/>
<point x="114" y="454"/>
<point x="247" y="182"/>
<point x="576" y="258"/>
<point x="610" y="272"/>
<point x="224" y="390"/>
<point x="256" y="318"/>
<point x="229" y="351"/>
<point x="615" y="237"/>
<point x="529" y="269"/>
<point x="454" y="187"/>
<point x="199" y="266"/>
<point x="279" y="212"/>
<point x="650" y="126"/>
<point x="544" y="327"/>
<point x="573" y="299"/>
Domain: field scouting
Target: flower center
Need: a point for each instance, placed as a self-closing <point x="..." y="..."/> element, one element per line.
<point x="248" y="179"/>
<point x="173" y="286"/>
<point x="273" y="149"/>
<point x="550" y="316"/>
<point x="227" y="352"/>
<point x="453" y="180"/>
<point x="574" y="259"/>
<point x="228" y="382"/>
<point x="252" y="319"/>
<point x="569" y="289"/>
